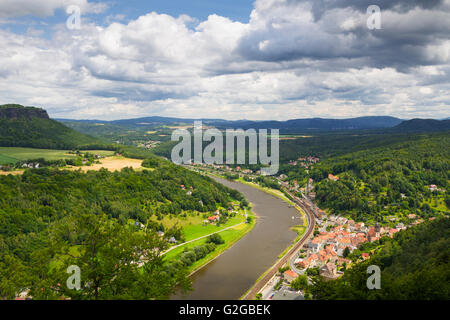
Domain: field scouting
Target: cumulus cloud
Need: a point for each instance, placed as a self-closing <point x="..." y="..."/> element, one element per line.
<point x="292" y="29"/>
<point x="292" y="59"/>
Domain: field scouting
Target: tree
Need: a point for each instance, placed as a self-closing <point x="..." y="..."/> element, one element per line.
<point x="346" y="252"/>
<point x="281" y="270"/>
<point x="300" y="283"/>
<point x="215" y="238"/>
<point x="115" y="262"/>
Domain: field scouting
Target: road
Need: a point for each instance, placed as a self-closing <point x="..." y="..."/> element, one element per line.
<point x="184" y="243"/>
<point x="251" y="294"/>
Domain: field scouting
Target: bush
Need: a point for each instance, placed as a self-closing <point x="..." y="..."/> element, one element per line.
<point x="216" y="239"/>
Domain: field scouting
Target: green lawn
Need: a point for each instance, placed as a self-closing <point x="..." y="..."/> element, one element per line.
<point x="196" y="231"/>
<point x="193" y="226"/>
<point x="230" y="236"/>
<point x="12" y="155"/>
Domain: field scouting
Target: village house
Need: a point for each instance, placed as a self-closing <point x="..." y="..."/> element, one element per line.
<point x="213" y="219"/>
<point x="329" y="270"/>
<point x="400" y="226"/>
<point x="315" y="245"/>
<point x="332" y="177"/>
<point x="290" y="275"/>
<point x="373" y="234"/>
<point x="392" y="232"/>
<point x="172" y="240"/>
<point x="342" y="261"/>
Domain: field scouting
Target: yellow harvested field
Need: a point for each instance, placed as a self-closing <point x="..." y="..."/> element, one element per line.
<point x="14" y="173"/>
<point x="112" y="164"/>
<point x="180" y="127"/>
<point x="109" y="163"/>
<point x="295" y="137"/>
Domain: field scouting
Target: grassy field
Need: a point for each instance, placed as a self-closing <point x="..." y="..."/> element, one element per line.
<point x="12" y="155"/>
<point x="193" y="224"/>
<point x="231" y="236"/>
<point x="6" y="160"/>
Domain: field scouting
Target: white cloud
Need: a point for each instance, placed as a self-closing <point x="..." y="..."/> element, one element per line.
<point x="285" y="63"/>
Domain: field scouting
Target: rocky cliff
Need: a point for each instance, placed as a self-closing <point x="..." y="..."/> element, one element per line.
<point x="15" y="111"/>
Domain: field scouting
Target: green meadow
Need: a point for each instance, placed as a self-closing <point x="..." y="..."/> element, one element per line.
<point x="11" y="154"/>
<point x="194" y="227"/>
<point x="230" y="236"/>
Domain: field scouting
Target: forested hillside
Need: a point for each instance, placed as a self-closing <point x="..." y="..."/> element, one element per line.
<point x="31" y="127"/>
<point x="100" y="221"/>
<point x="414" y="265"/>
<point x="423" y="125"/>
<point x="329" y="145"/>
<point x="383" y="181"/>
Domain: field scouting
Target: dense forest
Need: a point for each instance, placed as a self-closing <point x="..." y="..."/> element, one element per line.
<point x="381" y="178"/>
<point x="383" y="181"/>
<point x="327" y="145"/>
<point x="414" y="265"/>
<point x="101" y="222"/>
<point x="31" y="127"/>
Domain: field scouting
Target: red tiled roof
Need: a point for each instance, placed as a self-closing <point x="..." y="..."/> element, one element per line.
<point x="291" y="273"/>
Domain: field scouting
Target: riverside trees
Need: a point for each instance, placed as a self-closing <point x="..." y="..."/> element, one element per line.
<point x="51" y="219"/>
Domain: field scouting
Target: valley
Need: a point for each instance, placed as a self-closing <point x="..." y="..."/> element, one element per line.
<point x="200" y="224"/>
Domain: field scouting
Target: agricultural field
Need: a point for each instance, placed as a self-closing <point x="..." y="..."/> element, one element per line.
<point x="5" y="159"/>
<point x="10" y="155"/>
<point x="115" y="163"/>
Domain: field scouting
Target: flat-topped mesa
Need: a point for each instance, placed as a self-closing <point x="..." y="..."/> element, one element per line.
<point x="16" y="111"/>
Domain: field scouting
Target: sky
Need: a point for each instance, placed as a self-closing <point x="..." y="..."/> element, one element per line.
<point x="234" y="59"/>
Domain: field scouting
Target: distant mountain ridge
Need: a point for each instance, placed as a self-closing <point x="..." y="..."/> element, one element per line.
<point x="423" y="125"/>
<point x="289" y="126"/>
<point x="320" y="124"/>
<point x="31" y="127"/>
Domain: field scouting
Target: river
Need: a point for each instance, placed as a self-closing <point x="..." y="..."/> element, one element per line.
<point x="230" y="275"/>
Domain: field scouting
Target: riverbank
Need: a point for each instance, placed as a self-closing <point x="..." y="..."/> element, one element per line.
<point x="299" y="229"/>
<point x="234" y="271"/>
<point x="230" y="235"/>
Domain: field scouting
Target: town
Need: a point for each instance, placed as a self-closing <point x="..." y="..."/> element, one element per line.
<point x="335" y="244"/>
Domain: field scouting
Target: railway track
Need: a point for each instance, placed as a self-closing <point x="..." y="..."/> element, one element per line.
<point x="309" y="212"/>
